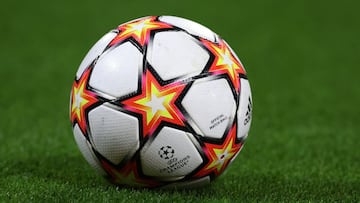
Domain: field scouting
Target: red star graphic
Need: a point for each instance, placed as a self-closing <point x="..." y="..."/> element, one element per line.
<point x="81" y="99"/>
<point x="225" y="62"/>
<point x="139" y="30"/>
<point x="128" y="175"/>
<point x="156" y="103"/>
<point x="220" y="155"/>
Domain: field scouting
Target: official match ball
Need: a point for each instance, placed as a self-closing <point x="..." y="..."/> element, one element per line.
<point x="160" y="101"/>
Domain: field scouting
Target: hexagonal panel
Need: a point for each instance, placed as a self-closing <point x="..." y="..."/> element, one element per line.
<point x="117" y="71"/>
<point x="115" y="135"/>
<point x="211" y="106"/>
<point x="86" y="150"/>
<point x="94" y="52"/>
<point x="176" y="54"/>
<point x="190" y="26"/>
<point x="244" y="113"/>
<point x="171" y="155"/>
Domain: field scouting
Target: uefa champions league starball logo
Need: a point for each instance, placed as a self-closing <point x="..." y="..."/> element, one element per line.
<point x="166" y="152"/>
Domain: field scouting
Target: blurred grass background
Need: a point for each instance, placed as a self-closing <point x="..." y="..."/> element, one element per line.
<point x="302" y="59"/>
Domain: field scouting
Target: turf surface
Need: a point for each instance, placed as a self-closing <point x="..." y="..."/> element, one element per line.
<point x="302" y="59"/>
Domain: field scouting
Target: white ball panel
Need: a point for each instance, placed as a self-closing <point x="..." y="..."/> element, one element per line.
<point x="211" y="105"/>
<point x="94" y="52"/>
<point x="184" y="159"/>
<point x="114" y="134"/>
<point x="176" y="54"/>
<point x="244" y="112"/>
<point x="116" y="72"/>
<point x="190" y="26"/>
<point x="86" y="151"/>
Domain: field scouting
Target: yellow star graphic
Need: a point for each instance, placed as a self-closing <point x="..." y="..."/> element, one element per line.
<point x="139" y="30"/>
<point x="127" y="175"/>
<point x="156" y="103"/>
<point x="78" y="101"/>
<point x="225" y="62"/>
<point x="81" y="99"/>
<point x="220" y="155"/>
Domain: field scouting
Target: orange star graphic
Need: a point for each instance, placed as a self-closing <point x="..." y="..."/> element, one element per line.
<point x="139" y="30"/>
<point x="225" y="62"/>
<point x="156" y="104"/>
<point x="81" y="99"/>
<point x="128" y="175"/>
<point x="220" y="155"/>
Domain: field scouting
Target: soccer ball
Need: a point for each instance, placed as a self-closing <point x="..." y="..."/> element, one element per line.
<point x="160" y="101"/>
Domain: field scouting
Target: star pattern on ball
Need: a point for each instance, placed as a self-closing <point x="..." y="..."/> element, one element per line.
<point x="156" y="103"/>
<point x="81" y="99"/>
<point x="166" y="152"/>
<point x="220" y="155"/>
<point x="225" y="62"/>
<point x="139" y="30"/>
<point x="128" y="175"/>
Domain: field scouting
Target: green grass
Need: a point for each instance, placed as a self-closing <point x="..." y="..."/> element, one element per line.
<point x="302" y="59"/>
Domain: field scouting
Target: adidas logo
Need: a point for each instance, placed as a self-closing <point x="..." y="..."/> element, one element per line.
<point x="248" y="113"/>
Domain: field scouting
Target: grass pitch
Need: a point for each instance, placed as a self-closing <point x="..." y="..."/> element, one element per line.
<point x="302" y="60"/>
